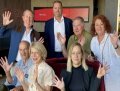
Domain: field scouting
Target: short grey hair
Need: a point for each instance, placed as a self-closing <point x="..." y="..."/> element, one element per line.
<point x="80" y="19"/>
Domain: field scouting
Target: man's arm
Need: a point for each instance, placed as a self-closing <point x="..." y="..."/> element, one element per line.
<point x="7" y="67"/>
<point x="18" y="88"/>
<point x="6" y="21"/>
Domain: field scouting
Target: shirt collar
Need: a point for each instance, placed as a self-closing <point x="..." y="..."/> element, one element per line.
<point x="27" y="62"/>
<point x="29" y="31"/>
<point x="105" y="37"/>
<point x="62" y="18"/>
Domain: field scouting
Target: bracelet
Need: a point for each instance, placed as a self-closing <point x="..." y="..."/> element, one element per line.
<point x="116" y="47"/>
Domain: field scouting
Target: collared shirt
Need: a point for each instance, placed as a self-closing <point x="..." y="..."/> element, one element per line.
<point x="45" y="76"/>
<point x="24" y="67"/>
<point x="58" y="27"/>
<point x="26" y="37"/>
<point x="86" y="46"/>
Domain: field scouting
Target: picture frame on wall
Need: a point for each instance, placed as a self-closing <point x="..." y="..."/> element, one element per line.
<point x="42" y="14"/>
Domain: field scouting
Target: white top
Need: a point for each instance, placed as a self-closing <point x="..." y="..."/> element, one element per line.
<point x="26" y="37"/>
<point x="45" y="76"/>
<point x="58" y="27"/>
<point x="105" y="52"/>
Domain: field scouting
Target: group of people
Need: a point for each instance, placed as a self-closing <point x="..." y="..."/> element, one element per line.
<point x="62" y="38"/>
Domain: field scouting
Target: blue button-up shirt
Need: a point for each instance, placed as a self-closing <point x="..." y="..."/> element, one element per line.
<point x="24" y="67"/>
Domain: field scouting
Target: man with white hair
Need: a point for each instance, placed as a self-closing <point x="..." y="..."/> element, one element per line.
<point x="23" y="64"/>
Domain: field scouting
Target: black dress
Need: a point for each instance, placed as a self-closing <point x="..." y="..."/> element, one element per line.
<point x="80" y="80"/>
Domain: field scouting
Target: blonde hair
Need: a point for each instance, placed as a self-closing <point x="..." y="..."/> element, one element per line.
<point x="40" y="48"/>
<point x="69" y="61"/>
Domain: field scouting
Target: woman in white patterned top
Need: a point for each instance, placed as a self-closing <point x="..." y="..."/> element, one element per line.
<point x="40" y="74"/>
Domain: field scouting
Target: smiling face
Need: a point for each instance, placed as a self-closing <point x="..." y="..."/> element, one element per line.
<point x="57" y="9"/>
<point x="76" y="56"/>
<point x="78" y="27"/>
<point x="99" y="27"/>
<point x="36" y="56"/>
<point x="27" y="18"/>
<point x="38" y="52"/>
<point x="24" y="50"/>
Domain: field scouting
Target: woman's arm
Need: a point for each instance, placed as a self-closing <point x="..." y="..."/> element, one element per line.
<point x="117" y="48"/>
<point x="116" y="42"/>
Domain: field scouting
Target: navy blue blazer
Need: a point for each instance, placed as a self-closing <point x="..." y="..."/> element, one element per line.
<point x="15" y="39"/>
<point x="50" y="38"/>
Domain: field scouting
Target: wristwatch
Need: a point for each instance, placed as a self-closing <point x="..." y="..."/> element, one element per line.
<point x="116" y="47"/>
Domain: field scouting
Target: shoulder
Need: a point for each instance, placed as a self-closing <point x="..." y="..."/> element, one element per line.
<point x="87" y="33"/>
<point x="67" y="19"/>
<point x="89" y="71"/>
<point x="46" y="67"/>
<point x="94" y="39"/>
<point x="49" y="21"/>
<point x="72" y="36"/>
<point x="65" y="73"/>
<point x="34" y="31"/>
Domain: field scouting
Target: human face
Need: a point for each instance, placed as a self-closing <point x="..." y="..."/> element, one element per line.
<point x="24" y="51"/>
<point x="78" y="27"/>
<point x="57" y="10"/>
<point x="99" y="27"/>
<point x="27" y="19"/>
<point x="36" y="56"/>
<point x="76" y="56"/>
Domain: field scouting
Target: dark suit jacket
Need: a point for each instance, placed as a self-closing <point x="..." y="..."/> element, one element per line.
<point x="90" y="81"/>
<point x="15" y="39"/>
<point x="50" y="38"/>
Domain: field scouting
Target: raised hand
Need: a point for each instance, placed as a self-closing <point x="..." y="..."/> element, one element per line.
<point x="19" y="73"/>
<point x="5" y="65"/>
<point x="35" y="76"/>
<point x="6" y="18"/>
<point x="61" y="38"/>
<point x="58" y="83"/>
<point x="81" y="41"/>
<point x="114" y="39"/>
<point x="102" y="70"/>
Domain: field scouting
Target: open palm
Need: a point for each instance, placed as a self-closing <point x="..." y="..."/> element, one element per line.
<point x="6" y="18"/>
<point x="102" y="70"/>
<point x="35" y="76"/>
<point x="114" y="38"/>
<point x="19" y="74"/>
<point x="58" y="83"/>
<point x="5" y="65"/>
<point x="61" y="38"/>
